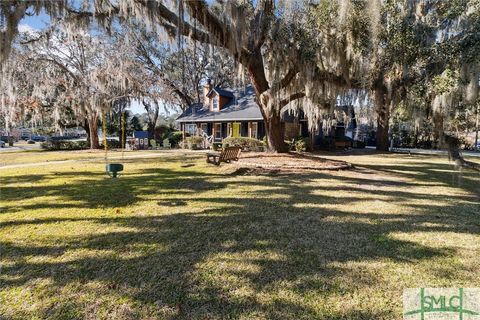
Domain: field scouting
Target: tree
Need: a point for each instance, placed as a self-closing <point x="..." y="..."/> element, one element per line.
<point x="85" y="74"/>
<point x="135" y="124"/>
<point x="244" y="30"/>
<point x="371" y="47"/>
<point x="180" y="71"/>
<point x="153" y="109"/>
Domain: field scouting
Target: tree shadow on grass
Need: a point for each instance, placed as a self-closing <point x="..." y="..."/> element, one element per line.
<point x="220" y="259"/>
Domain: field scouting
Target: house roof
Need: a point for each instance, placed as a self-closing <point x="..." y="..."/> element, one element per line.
<point x="140" y="134"/>
<point x="242" y="107"/>
<point x="221" y="92"/>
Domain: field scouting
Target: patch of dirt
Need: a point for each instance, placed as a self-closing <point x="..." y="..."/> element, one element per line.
<point x="288" y="162"/>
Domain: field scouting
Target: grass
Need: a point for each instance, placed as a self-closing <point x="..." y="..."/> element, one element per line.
<point x="9" y="158"/>
<point x="170" y="242"/>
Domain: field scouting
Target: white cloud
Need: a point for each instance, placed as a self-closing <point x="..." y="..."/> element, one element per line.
<point x="25" y="28"/>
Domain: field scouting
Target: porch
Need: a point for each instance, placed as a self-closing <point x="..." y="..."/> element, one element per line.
<point x="217" y="131"/>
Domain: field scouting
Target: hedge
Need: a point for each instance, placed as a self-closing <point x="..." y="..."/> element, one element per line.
<point x="53" y="145"/>
<point x="64" y="145"/>
<point x="111" y="144"/>
<point x="193" y="143"/>
<point x="247" y="144"/>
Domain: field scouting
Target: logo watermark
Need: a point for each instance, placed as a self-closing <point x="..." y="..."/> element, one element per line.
<point x="441" y="304"/>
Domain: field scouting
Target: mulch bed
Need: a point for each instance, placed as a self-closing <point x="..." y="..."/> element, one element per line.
<point x="289" y="161"/>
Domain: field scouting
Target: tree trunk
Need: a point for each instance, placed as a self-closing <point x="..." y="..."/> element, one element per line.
<point x="151" y="130"/>
<point x="275" y="130"/>
<point x="477" y="122"/>
<point x="415" y="138"/>
<point x="383" y="117"/>
<point x="86" y="127"/>
<point x="123" y="129"/>
<point x="274" y="127"/>
<point x="152" y="113"/>
<point x="93" y="130"/>
<point x="438" y="135"/>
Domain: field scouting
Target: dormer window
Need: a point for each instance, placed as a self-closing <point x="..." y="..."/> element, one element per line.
<point x="215" y="105"/>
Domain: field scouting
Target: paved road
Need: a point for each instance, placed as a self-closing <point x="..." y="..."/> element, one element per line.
<point x="434" y="152"/>
<point x="21" y="147"/>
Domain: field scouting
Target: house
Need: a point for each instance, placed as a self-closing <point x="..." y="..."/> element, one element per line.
<point x="140" y="140"/>
<point x="225" y="113"/>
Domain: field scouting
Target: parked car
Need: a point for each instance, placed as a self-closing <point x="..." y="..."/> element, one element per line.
<point x="7" y="139"/>
<point x="38" y="138"/>
<point x="2" y="144"/>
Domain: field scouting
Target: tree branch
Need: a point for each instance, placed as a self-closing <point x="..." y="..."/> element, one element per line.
<point x="171" y="22"/>
<point x="292" y="97"/>
<point x="263" y="14"/>
<point x="288" y="77"/>
<point x="218" y="29"/>
<point x="61" y="66"/>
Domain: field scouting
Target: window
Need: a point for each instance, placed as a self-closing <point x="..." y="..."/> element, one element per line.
<point x="215" y="106"/>
<point x="218" y="131"/>
<point x="254" y="133"/>
<point x="191" y="128"/>
<point x="203" y="126"/>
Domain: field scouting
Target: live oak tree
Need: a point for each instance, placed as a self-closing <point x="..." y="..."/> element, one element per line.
<point x="394" y="48"/>
<point x="369" y="47"/>
<point x="171" y="75"/>
<point x="259" y="37"/>
<point x="75" y="71"/>
<point x="450" y="70"/>
<point x="181" y="69"/>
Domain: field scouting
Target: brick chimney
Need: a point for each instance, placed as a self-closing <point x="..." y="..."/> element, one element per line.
<point x="206" y="89"/>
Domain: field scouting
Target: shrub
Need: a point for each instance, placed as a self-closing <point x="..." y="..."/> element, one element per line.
<point x="290" y="144"/>
<point x="64" y="145"/>
<point x="302" y="144"/>
<point x="247" y="144"/>
<point x="358" y="144"/>
<point x="193" y="143"/>
<point x="174" y="137"/>
<point x="112" y="144"/>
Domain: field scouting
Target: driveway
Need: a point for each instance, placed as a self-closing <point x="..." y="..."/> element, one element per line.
<point x="434" y="152"/>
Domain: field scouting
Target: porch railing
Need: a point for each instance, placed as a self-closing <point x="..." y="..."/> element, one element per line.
<point x="207" y="140"/>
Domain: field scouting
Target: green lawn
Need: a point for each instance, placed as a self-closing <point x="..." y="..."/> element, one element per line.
<point x="198" y="242"/>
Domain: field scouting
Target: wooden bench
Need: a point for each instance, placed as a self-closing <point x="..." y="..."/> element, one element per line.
<point x="228" y="154"/>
